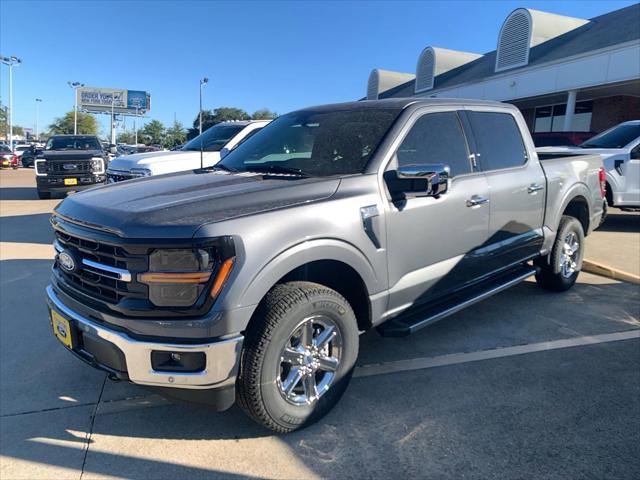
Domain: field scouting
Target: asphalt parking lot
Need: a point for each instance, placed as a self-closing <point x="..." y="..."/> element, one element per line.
<point x="527" y="384"/>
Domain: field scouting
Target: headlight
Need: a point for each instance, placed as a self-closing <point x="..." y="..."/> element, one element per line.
<point x="41" y="168"/>
<point x="97" y="165"/>
<point x="140" y="172"/>
<point x="177" y="278"/>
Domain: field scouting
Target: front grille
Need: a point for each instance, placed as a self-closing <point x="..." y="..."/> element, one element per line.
<point x="69" y="167"/>
<point x="114" y="176"/>
<point x="96" y="282"/>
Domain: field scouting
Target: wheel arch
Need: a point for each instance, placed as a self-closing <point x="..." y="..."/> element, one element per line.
<point x="335" y="264"/>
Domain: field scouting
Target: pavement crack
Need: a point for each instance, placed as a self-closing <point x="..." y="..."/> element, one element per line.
<point x="90" y="432"/>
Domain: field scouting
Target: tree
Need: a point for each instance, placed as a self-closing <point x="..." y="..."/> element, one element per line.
<point x="152" y="133"/>
<point x="212" y="117"/>
<point x="87" y="124"/>
<point x="175" y="135"/>
<point x="264" y="114"/>
<point x="126" y="137"/>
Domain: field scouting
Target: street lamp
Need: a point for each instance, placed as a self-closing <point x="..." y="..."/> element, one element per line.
<point x="38" y="102"/>
<point x="75" y="86"/>
<point x="203" y="82"/>
<point x="11" y="62"/>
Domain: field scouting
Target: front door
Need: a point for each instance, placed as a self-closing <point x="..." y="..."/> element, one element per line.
<point x="431" y="241"/>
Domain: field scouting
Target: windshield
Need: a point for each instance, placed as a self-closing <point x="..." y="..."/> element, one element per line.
<point x="616" y="137"/>
<point x="214" y="139"/>
<point x="312" y="143"/>
<point x="73" y="143"/>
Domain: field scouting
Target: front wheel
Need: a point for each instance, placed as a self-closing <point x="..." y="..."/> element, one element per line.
<point x="298" y="357"/>
<point x="559" y="271"/>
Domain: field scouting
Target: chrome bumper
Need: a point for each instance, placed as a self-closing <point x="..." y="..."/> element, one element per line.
<point x="222" y="357"/>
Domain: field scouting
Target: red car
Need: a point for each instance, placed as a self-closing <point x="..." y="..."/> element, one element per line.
<point x="7" y="158"/>
<point x="560" y="139"/>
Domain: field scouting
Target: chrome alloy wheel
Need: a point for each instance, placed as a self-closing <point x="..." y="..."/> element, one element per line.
<point x="569" y="255"/>
<point x="309" y="360"/>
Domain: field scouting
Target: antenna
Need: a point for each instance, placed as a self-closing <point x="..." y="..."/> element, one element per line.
<point x="203" y="82"/>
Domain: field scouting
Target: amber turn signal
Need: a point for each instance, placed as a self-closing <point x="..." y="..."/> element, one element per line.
<point x="222" y="276"/>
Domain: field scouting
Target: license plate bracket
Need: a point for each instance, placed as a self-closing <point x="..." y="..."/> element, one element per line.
<point x="62" y="329"/>
<point x="71" y="181"/>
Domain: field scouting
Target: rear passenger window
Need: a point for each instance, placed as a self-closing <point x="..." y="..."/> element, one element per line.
<point x="498" y="140"/>
<point x="436" y="138"/>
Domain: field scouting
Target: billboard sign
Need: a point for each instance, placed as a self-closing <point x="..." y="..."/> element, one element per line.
<point x="105" y="100"/>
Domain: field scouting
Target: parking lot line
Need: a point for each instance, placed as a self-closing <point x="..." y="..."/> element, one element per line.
<point x="457" y="358"/>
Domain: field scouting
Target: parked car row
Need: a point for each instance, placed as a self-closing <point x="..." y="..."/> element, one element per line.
<point x="250" y="280"/>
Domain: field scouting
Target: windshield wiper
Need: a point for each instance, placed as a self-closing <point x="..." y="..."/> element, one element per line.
<point x="271" y="168"/>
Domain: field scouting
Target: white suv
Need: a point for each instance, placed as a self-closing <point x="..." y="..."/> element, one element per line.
<point x="214" y="142"/>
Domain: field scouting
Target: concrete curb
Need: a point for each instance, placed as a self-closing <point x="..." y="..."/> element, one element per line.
<point x="609" y="272"/>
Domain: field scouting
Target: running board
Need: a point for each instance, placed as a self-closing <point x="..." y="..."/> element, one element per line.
<point x="410" y="322"/>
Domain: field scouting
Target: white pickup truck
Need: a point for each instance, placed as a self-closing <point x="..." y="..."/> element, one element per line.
<point x="215" y="142"/>
<point x="620" y="150"/>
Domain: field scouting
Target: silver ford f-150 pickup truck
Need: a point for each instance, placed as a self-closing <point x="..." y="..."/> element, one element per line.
<point x="251" y="280"/>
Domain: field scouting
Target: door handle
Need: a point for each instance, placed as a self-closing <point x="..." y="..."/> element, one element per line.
<point x="477" y="200"/>
<point x="534" y="187"/>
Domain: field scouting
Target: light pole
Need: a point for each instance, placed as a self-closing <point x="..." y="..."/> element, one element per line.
<point x="11" y="62"/>
<point x="135" y="127"/>
<point x="38" y="102"/>
<point x="75" y="86"/>
<point x="203" y="82"/>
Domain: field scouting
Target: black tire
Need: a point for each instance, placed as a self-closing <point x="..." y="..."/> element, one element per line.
<point x="258" y="386"/>
<point x="605" y="212"/>
<point x="550" y="276"/>
<point x="44" y="195"/>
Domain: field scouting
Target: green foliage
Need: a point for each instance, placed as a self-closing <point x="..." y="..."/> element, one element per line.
<point x="152" y="133"/>
<point x="126" y="137"/>
<point x="87" y="124"/>
<point x="175" y="135"/>
<point x="264" y="114"/>
<point x="212" y="117"/>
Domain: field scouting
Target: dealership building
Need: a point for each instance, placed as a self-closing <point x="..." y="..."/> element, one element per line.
<point x="563" y="73"/>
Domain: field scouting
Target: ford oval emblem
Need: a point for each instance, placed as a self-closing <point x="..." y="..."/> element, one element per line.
<point x="69" y="166"/>
<point x="66" y="261"/>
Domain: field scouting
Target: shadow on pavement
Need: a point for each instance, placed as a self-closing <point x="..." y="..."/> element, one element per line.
<point x="18" y="193"/>
<point x="34" y="228"/>
<point x="621" y="222"/>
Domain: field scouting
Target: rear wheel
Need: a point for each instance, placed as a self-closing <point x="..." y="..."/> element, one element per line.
<point x="298" y="357"/>
<point x="559" y="271"/>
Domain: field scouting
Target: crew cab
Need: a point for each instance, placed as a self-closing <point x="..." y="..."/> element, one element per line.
<point x="620" y="150"/>
<point x="214" y="143"/>
<point x="70" y="163"/>
<point x="252" y="280"/>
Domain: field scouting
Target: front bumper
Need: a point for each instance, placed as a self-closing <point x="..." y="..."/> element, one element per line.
<point x="221" y="365"/>
<point x="53" y="184"/>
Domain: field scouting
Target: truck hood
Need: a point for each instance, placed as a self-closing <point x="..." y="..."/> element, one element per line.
<point x="149" y="159"/>
<point x="175" y="206"/>
<point x="72" y="154"/>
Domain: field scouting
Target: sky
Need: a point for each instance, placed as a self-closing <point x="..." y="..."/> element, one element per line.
<point x="261" y="54"/>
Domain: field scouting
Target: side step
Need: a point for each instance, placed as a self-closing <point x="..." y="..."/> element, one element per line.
<point x="415" y="319"/>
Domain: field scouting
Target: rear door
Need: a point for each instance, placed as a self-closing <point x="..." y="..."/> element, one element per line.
<point x="516" y="183"/>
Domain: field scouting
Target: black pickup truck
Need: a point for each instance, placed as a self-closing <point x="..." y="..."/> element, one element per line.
<point x="70" y="163"/>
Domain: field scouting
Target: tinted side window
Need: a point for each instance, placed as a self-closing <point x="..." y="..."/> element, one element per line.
<point x="436" y="138"/>
<point x="498" y="140"/>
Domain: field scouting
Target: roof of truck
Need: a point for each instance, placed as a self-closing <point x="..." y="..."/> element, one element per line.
<point x="401" y="103"/>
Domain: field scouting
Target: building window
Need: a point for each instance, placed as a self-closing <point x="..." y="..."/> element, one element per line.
<point x="551" y="118"/>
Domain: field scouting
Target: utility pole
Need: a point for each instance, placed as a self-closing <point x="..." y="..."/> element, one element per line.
<point x="38" y="102"/>
<point x="11" y="62"/>
<point x="75" y="86"/>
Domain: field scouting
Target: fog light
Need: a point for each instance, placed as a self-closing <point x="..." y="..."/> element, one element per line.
<point x="187" y="362"/>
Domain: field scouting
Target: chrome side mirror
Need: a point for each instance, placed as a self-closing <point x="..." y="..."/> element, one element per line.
<point x="436" y="175"/>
